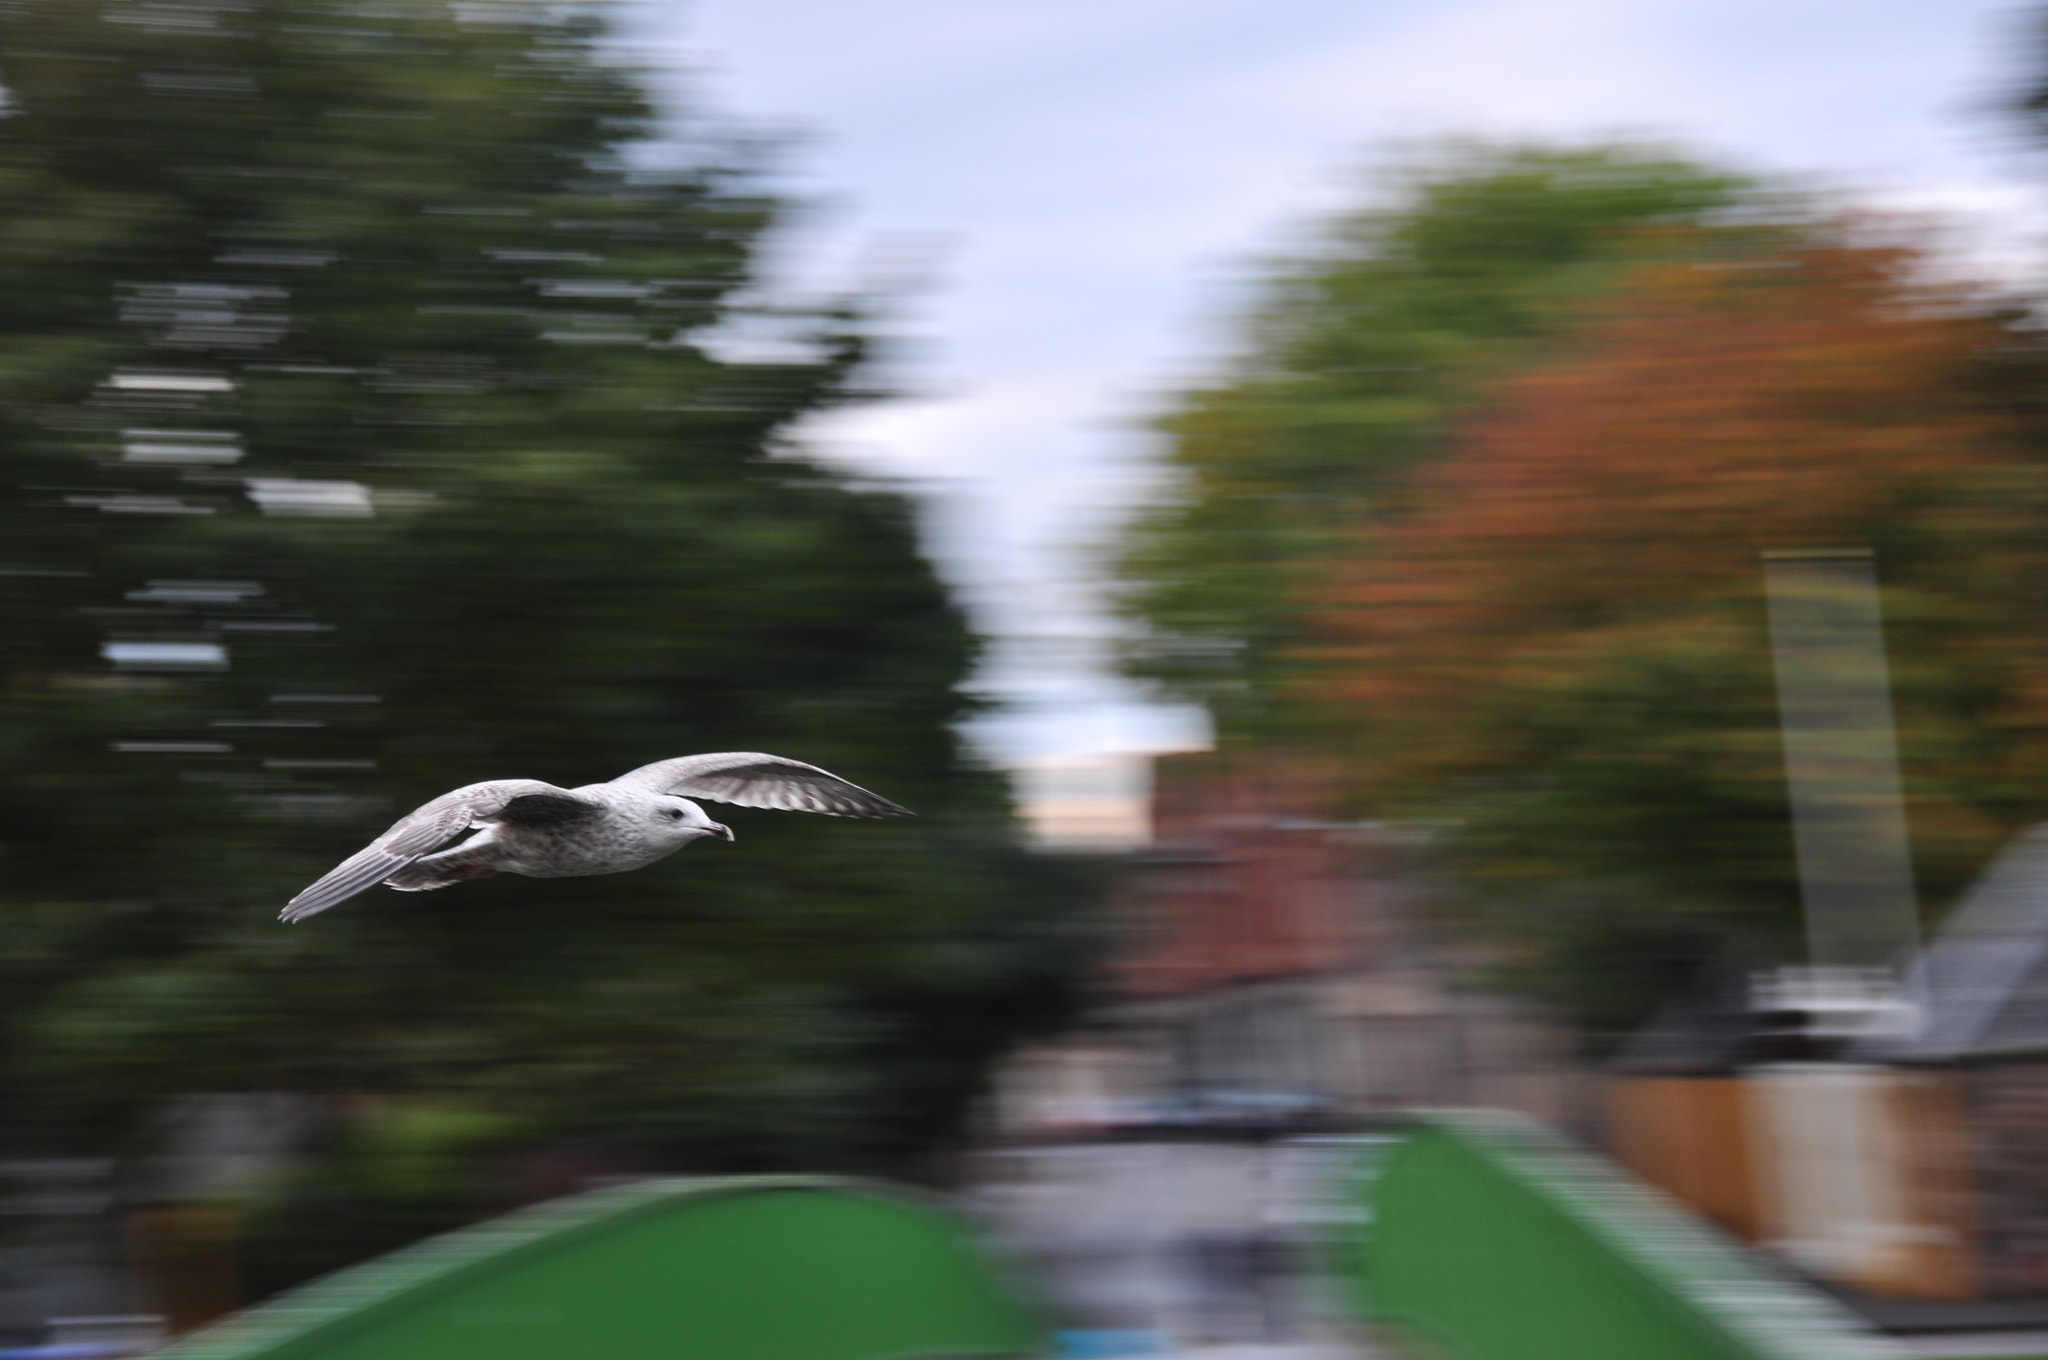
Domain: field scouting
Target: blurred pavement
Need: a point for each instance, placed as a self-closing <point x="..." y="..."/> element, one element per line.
<point x="1320" y="1351"/>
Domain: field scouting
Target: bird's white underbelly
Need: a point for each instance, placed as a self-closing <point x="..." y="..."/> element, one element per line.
<point x="535" y="854"/>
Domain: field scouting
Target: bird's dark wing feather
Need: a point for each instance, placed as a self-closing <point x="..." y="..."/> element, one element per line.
<point x="754" y="779"/>
<point x="429" y="826"/>
<point x="549" y="808"/>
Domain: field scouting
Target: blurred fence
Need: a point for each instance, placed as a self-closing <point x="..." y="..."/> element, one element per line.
<point x="1496" y="1241"/>
<point x="1855" y="1173"/>
<point x="1690" y="1136"/>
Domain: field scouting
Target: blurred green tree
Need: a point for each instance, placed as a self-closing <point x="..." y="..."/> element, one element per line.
<point x="383" y="407"/>
<point x="1361" y="357"/>
<point x="1562" y="645"/>
<point x="1506" y="574"/>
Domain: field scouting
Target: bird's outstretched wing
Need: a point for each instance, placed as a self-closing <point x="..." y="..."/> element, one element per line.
<point x="428" y="826"/>
<point x="754" y="779"/>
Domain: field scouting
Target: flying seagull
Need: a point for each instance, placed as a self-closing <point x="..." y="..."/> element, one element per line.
<point x="527" y="827"/>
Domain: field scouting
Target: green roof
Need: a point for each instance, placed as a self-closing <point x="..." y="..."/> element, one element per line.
<point x="758" y="1268"/>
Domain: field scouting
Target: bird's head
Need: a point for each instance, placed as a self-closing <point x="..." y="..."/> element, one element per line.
<point x="687" y="821"/>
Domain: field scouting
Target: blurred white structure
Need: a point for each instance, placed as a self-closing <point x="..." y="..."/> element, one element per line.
<point x="1098" y="803"/>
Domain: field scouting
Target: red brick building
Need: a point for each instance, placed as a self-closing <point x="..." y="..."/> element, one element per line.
<point x="1278" y="957"/>
<point x="1247" y="879"/>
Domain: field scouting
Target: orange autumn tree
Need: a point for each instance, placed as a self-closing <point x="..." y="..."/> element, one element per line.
<point x="1559" y="648"/>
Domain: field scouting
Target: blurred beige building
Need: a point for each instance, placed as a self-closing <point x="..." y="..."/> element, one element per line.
<point x="1278" y="982"/>
<point x="1906" y="1161"/>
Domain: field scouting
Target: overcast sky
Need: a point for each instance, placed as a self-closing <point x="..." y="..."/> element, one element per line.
<point x="1098" y="177"/>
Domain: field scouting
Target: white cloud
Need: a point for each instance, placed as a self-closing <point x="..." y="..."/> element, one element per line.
<point x="1102" y="166"/>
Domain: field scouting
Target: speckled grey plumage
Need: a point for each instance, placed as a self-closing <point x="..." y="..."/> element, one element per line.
<point x="524" y="826"/>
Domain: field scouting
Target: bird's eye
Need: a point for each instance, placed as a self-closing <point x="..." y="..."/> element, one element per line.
<point x="673" y="814"/>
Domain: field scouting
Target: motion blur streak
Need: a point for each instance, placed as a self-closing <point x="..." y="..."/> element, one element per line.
<point x="365" y="433"/>
<point x="385" y="407"/>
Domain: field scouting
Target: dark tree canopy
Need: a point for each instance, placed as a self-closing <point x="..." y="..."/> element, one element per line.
<point x="370" y="427"/>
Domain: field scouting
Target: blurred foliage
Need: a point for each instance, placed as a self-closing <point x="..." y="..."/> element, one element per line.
<point x="1570" y="627"/>
<point x="1542" y="627"/>
<point x="359" y="340"/>
<point x="1360" y="361"/>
